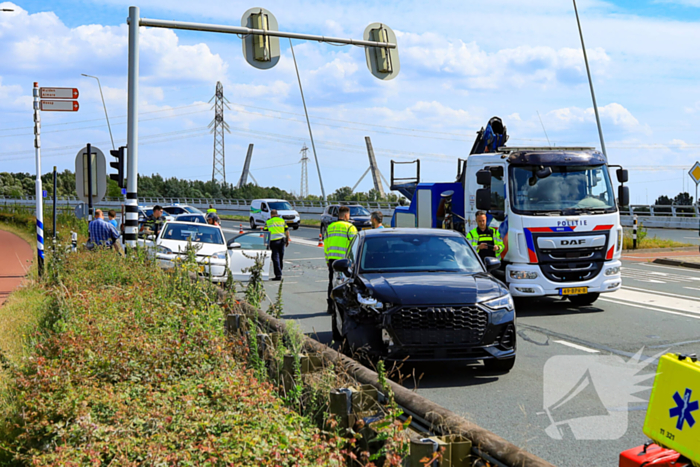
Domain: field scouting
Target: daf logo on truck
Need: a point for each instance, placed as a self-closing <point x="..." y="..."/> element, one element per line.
<point x="573" y="242"/>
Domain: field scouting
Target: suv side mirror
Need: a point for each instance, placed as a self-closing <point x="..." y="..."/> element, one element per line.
<point x="343" y="265"/>
<point x="623" y="195"/>
<point x="483" y="177"/>
<point x="233" y="245"/>
<point x="622" y="175"/>
<point x="483" y="199"/>
<point x="491" y="263"/>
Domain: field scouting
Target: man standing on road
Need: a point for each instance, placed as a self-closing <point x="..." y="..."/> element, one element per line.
<point x="155" y="221"/>
<point x="376" y="219"/>
<point x="338" y="237"/>
<point x="279" y="239"/>
<point x="211" y="210"/>
<point x="485" y="240"/>
<point x="103" y="233"/>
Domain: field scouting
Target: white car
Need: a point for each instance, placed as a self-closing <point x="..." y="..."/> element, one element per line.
<point x="260" y="210"/>
<point x="213" y="254"/>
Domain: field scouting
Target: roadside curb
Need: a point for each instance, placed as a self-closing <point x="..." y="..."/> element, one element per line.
<point x="673" y="262"/>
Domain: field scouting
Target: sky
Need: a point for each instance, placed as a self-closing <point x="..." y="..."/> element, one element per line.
<point x="462" y="62"/>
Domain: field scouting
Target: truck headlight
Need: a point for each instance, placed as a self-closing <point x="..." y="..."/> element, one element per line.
<point x="501" y="303"/>
<point x="520" y="275"/>
<point x="612" y="271"/>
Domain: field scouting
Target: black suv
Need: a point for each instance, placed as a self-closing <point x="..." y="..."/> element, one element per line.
<point x="359" y="217"/>
<point x="422" y="294"/>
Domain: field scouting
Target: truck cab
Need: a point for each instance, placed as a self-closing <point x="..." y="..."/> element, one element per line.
<point x="554" y="207"/>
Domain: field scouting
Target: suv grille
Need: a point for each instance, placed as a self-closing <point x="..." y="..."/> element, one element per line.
<point x="436" y="325"/>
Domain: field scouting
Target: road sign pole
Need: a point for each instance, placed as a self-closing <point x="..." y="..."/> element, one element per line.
<point x="39" y="191"/>
<point x="89" y="181"/>
<point x="54" y="203"/>
<point x="132" y="204"/>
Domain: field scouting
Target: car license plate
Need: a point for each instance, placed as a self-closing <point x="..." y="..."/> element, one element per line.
<point x="573" y="291"/>
<point x="363" y="228"/>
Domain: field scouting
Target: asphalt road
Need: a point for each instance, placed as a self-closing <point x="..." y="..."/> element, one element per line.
<point x="657" y="310"/>
<point x="683" y="236"/>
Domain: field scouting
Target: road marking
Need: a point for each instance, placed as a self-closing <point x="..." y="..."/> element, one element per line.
<point x="316" y="281"/>
<point x="619" y="302"/>
<point x="657" y="300"/>
<point x="654" y="265"/>
<point x="576" y="346"/>
<point x="306" y="259"/>
<point x="669" y="294"/>
<point x="689" y="288"/>
<point x="304" y="242"/>
<point x="655" y="276"/>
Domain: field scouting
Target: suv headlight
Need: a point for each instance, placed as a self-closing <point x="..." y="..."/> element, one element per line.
<point x="501" y="303"/>
<point x="165" y="250"/>
<point x="219" y="255"/>
<point x="523" y="275"/>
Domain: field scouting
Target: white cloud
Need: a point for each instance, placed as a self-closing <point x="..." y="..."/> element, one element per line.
<point x="612" y="113"/>
<point x="41" y="41"/>
<point x="517" y="66"/>
<point x="12" y="97"/>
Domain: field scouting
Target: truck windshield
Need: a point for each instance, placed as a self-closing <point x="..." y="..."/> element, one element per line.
<point x="568" y="190"/>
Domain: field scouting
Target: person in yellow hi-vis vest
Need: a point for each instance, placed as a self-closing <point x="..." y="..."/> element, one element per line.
<point x="211" y="210"/>
<point x="338" y="237"/>
<point x="279" y="239"/>
<point x="485" y="240"/>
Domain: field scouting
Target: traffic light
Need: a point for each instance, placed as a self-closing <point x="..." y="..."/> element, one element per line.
<point x="382" y="62"/>
<point x="260" y="50"/>
<point x="119" y="165"/>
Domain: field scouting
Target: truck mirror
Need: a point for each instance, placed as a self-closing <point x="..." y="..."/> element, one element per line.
<point x="483" y="177"/>
<point x="622" y="175"/>
<point x="496" y="171"/>
<point x="483" y="199"/>
<point x="623" y="195"/>
<point x="544" y="172"/>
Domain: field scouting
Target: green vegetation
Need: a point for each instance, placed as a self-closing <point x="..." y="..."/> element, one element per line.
<point x="129" y="365"/>
<point x="645" y="242"/>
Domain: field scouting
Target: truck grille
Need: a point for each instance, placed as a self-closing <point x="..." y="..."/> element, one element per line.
<point x="439" y="325"/>
<point x="288" y="217"/>
<point x="571" y="264"/>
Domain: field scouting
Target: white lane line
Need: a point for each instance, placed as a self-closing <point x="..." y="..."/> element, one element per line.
<point x="657" y="300"/>
<point x="326" y="281"/>
<point x="652" y="272"/>
<point x="301" y="241"/>
<point x="689" y="288"/>
<point x="620" y="302"/>
<point x="576" y="346"/>
<point x="654" y="265"/>
<point x="669" y="294"/>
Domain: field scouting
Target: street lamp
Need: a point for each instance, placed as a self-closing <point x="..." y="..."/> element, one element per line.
<point x="103" y="105"/>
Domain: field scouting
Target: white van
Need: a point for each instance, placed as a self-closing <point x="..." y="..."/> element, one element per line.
<point x="260" y="212"/>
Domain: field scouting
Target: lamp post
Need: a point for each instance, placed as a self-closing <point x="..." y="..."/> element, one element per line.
<point x="103" y="105"/>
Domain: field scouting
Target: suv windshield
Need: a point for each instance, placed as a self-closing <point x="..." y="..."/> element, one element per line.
<point x="358" y="211"/>
<point x="280" y="205"/>
<point x="198" y="233"/>
<point x="418" y="253"/>
<point x="569" y="189"/>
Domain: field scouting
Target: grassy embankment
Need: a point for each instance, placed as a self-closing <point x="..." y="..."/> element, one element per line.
<point x="118" y="362"/>
<point x="646" y="242"/>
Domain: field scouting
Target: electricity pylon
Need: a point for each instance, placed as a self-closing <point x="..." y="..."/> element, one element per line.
<point x="218" y="126"/>
<point x="304" y="190"/>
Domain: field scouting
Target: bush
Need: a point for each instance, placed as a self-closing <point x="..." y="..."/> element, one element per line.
<point x="124" y="372"/>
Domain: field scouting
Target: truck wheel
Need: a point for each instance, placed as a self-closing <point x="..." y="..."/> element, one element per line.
<point x="503" y="365"/>
<point x="252" y="224"/>
<point x="583" y="300"/>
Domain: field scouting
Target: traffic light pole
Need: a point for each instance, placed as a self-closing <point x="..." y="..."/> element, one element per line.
<point x="135" y="21"/>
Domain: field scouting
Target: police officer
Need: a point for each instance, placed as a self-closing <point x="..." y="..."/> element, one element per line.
<point x="338" y="237"/>
<point x="211" y="209"/>
<point x="485" y="240"/>
<point x="279" y="239"/>
<point x="155" y="221"/>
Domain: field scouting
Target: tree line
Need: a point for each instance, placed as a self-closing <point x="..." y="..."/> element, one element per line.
<point x="17" y="185"/>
